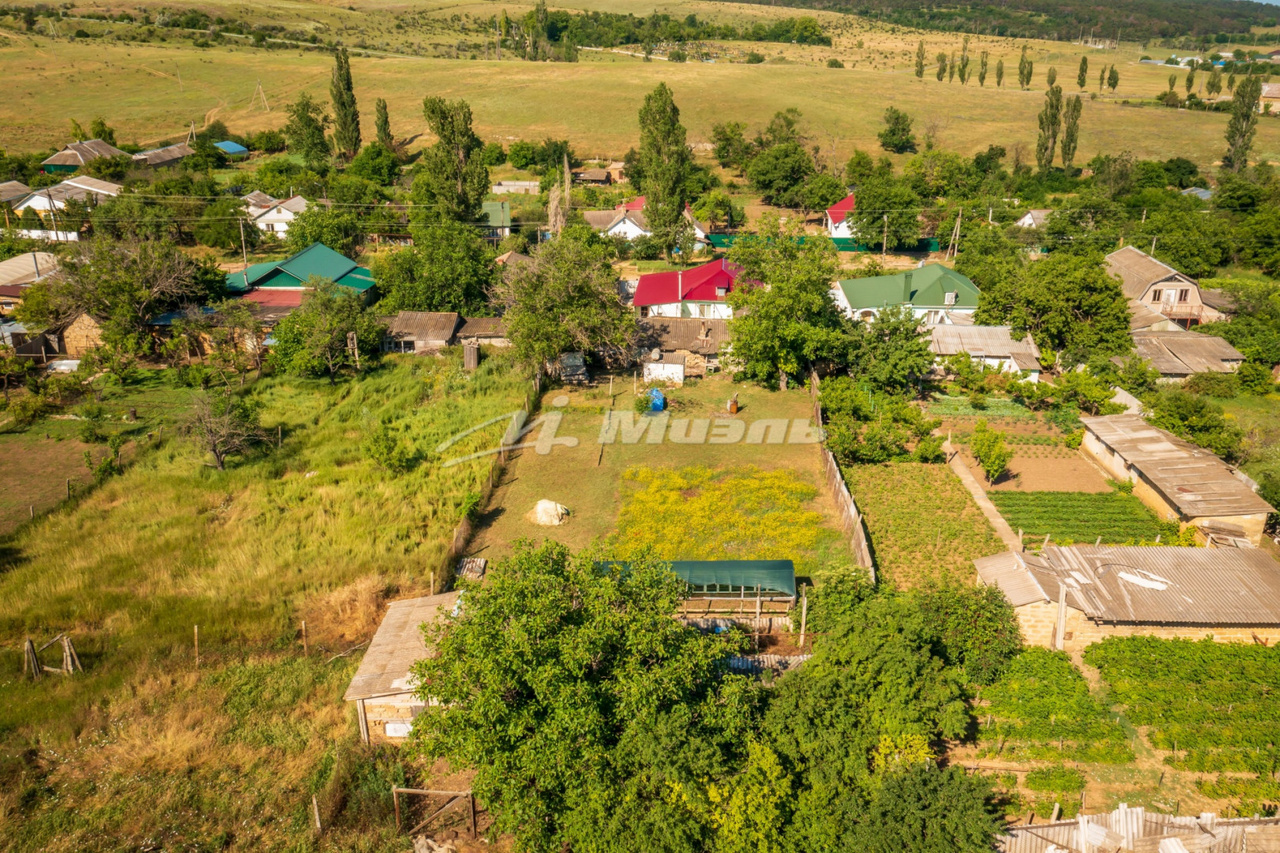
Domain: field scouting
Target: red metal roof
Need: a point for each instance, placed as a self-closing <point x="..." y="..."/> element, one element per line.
<point x="842" y="208"/>
<point x="276" y="297"/>
<point x="698" y="284"/>
<point x="636" y="203"/>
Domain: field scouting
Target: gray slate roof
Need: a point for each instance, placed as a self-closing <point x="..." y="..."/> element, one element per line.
<point x="1185" y="353"/>
<point x="396" y="646"/>
<point x="1138" y="271"/>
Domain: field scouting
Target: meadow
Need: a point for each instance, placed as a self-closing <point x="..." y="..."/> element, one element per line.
<point x="152" y="747"/>
<point x="151" y="91"/>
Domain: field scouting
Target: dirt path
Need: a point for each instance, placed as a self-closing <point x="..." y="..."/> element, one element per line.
<point x="1002" y="528"/>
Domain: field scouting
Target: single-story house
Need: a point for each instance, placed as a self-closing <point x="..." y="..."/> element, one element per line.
<point x="420" y="331"/>
<point x="934" y="293"/>
<point x="1159" y="287"/>
<point x="12" y="192"/>
<point x="27" y="268"/>
<point x="698" y="292"/>
<point x="994" y="347"/>
<point x="497" y="218"/>
<point x="628" y="221"/>
<point x="838" y="222"/>
<point x="1067" y="598"/>
<point x="490" y="331"/>
<point x="232" y="149"/>
<point x="516" y="188"/>
<point x="272" y="305"/>
<point x="383" y="686"/>
<point x="694" y="343"/>
<point x="1199" y="192"/>
<point x="77" y="154"/>
<point x="594" y="177"/>
<point x="1034" y="218"/>
<point x="1178" y="480"/>
<point x="1179" y="354"/>
<point x="295" y="271"/>
<point x="1270" y="98"/>
<point x="275" y="217"/>
<point x="10" y="297"/>
<point x="55" y="198"/>
<point x="170" y="155"/>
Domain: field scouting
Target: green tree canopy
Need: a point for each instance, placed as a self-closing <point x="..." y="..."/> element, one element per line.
<point x="448" y="268"/>
<point x="451" y="180"/>
<point x="313" y="340"/>
<point x="665" y="161"/>
<point x="306" y="132"/>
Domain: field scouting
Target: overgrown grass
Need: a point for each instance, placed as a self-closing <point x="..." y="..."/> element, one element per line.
<point x="144" y="749"/>
<point x="697" y="513"/>
<point x="1041" y="708"/>
<point x="1069" y="517"/>
<point x="924" y="525"/>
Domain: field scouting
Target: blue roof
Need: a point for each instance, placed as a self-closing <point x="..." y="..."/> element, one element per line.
<point x="231" y="147"/>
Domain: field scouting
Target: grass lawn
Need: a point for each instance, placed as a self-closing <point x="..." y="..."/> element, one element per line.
<point x="144" y="749"/>
<point x="924" y="526"/>
<point x="597" y="481"/>
<point x="1071" y="517"/>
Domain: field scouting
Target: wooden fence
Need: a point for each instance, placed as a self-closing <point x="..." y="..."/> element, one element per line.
<point x="462" y="533"/>
<point x="850" y="516"/>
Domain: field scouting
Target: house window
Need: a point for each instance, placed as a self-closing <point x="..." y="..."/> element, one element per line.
<point x="721" y="291"/>
<point x="1156" y="295"/>
<point x="1183" y="294"/>
<point x="950" y="298"/>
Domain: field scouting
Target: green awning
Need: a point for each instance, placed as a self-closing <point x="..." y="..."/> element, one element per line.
<point x="772" y="576"/>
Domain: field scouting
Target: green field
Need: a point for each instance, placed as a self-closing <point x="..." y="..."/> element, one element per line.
<point x="593" y="103"/>
<point x="1071" y="517"/>
<point x="147" y="749"/>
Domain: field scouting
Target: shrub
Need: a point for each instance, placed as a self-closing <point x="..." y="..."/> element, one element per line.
<point x="677" y="55"/>
<point x="834" y="63"/>
<point x="929" y="450"/>
<point x="493" y="154"/>
<point x="384" y="447"/>
<point x="990" y="450"/>
<point x="1222" y="385"/>
<point x="1058" y="780"/>
<point x="754" y="58"/>
<point x="92" y="417"/>
<point x="976" y="626"/>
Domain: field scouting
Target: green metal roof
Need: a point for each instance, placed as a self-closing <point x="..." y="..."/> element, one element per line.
<point x="497" y="213"/>
<point x="777" y="576"/>
<point x="925" y="287"/>
<point x="293" y="272"/>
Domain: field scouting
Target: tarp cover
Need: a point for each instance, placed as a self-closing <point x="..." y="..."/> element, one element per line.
<point x="772" y="575"/>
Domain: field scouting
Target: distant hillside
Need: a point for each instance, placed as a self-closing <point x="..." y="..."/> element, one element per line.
<point x="1062" y="19"/>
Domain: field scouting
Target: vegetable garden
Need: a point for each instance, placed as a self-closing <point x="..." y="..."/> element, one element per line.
<point x="1069" y="517"/>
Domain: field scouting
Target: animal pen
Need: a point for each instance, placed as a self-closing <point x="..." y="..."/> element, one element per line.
<point x="756" y="594"/>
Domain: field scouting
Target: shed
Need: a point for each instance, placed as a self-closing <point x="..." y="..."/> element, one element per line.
<point x="158" y="158"/>
<point x="231" y="149"/>
<point x="1069" y="597"/>
<point x="420" y="331"/>
<point x="774" y="579"/>
<point x="839" y="218"/>
<point x="1179" y="354"/>
<point x="994" y="347"/>
<point x="1178" y="480"/>
<point x="596" y="177"/>
<point x="81" y="335"/>
<point x="13" y="191"/>
<point x="1034" y="218"/>
<point x="77" y="154"/>
<point x="383" y="686"/>
<point x="484" y="330"/>
<point x="669" y="369"/>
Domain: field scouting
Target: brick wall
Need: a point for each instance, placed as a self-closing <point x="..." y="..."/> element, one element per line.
<point x="1038" y="621"/>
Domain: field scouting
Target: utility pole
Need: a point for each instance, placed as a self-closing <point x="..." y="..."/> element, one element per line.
<point x="884" y="240"/>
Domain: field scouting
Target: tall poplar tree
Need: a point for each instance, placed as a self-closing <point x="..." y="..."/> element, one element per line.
<point x="665" y="161"/>
<point x="964" y="62"/>
<point x="999" y="73"/>
<point x="451" y="180"/>
<point x="942" y="65"/>
<point x="1050" y="127"/>
<point x="1071" y="131"/>
<point x="1023" y="76"/>
<point x="920" y="60"/>
<point x="1243" y="124"/>
<point x="1082" y="76"/>
<point x="346" y="118"/>
<point x="982" y="68"/>
<point x="382" y="121"/>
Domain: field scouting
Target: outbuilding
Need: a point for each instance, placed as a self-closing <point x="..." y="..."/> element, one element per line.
<point x="78" y="154"/>
<point x="993" y="347"/>
<point x="421" y="332"/>
<point x="1178" y="354"/>
<point x="383" y="686"/>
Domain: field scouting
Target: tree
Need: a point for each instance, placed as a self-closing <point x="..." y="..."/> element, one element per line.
<point x="594" y="719"/>
<point x="1113" y="79"/>
<point x="922" y="809"/>
<point x="780" y="172"/>
<point x="1070" y="305"/>
<point x="1082" y="76"/>
<point x="1196" y="419"/>
<point x="982" y="68"/>
<point x="976" y="627"/>
<point x="306" y="132"/>
<point x="1052" y="76"/>
<point x="566" y="300"/>
<point x="382" y="124"/>
<point x="964" y="62"/>
<point x="920" y="60"/>
<point x="1191" y="80"/>
<point x="752" y="808"/>
<point x="448" y="268"/>
<point x="999" y="73"/>
<point x="892" y="351"/>
<point x="1102" y="78"/>
<point x="120" y="285"/>
<point x="1071" y="131"/>
<point x="452" y="179"/>
<point x="313" y="340"/>
<point x="98" y="129"/>
<point x="666" y="161"/>
<point x="222" y="226"/>
<point x="888" y="211"/>
<point x="718" y="210"/>
<point x="129" y="216"/>
<point x="1024" y="69"/>
<point x="784" y="317"/>
<point x="1243" y="124"/>
<point x="376" y="163"/>
<point x="224" y="424"/>
<point x="337" y="228"/>
<point x="346" y="116"/>
<point x="896" y="135"/>
<point x="941" y="59"/>
<point x="12" y="369"/>
<point x="731" y="148"/>
<point x="1050" y="126"/>
<point x="990" y="450"/>
<point x="951" y="68"/>
<point x="1213" y="86"/>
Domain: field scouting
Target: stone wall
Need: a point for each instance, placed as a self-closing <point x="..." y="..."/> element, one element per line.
<point x="1039" y="620"/>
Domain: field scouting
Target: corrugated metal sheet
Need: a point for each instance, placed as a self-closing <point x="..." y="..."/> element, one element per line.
<point x="705" y="337"/>
<point x="980" y="342"/>
<point x="424" y="326"/>
<point x="396" y="646"/>
<point x="1184" y="353"/>
<point x="1191" y="478"/>
<point x="1008" y="571"/>
<point x="1135" y="830"/>
<point x="1148" y="585"/>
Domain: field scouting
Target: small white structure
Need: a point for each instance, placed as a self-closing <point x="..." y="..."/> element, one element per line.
<point x="1033" y="219"/>
<point x="838" y="220"/>
<point x="548" y="513"/>
<point x="275" y="217"/>
<point x="630" y="223"/>
<point x="668" y="369"/>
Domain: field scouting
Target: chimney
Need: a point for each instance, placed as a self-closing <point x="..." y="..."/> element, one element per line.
<point x="680" y="285"/>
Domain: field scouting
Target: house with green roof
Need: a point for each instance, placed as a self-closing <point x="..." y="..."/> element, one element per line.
<point x="294" y="272"/>
<point x="934" y="293"/>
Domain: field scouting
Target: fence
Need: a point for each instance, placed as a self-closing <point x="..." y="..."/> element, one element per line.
<point x="850" y="517"/>
<point x="462" y="533"/>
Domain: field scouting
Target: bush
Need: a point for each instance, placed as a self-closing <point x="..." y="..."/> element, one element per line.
<point x="677" y="55"/>
<point x="493" y="154"/>
<point x="384" y="447"/>
<point x="522" y="154"/>
<point x="1224" y="386"/>
<point x="990" y="450"/>
<point x="92" y="417"/>
<point x="834" y="63"/>
<point x="1057" y="780"/>
<point x="754" y="58"/>
<point x="929" y="450"/>
<point x="1255" y="378"/>
<point x="976" y="627"/>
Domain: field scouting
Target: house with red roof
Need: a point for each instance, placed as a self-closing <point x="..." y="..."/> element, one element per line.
<point x="839" y="218"/>
<point x="698" y="293"/>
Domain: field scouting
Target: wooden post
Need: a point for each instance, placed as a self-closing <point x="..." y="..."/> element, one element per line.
<point x="472" y="799"/>
<point x="68" y="488"/>
<point x="804" y="613"/>
<point x="32" y="508"/>
<point x="30" y="662"/>
<point x="884" y="245"/>
<point x="305" y="650"/>
<point x="395" y="799"/>
<point x="279" y="435"/>
<point x="197" y="634"/>
<point x="315" y="812"/>
<point x="433" y="581"/>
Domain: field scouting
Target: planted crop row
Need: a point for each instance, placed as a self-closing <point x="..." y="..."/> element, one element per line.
<point x="1081" y="516"/>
